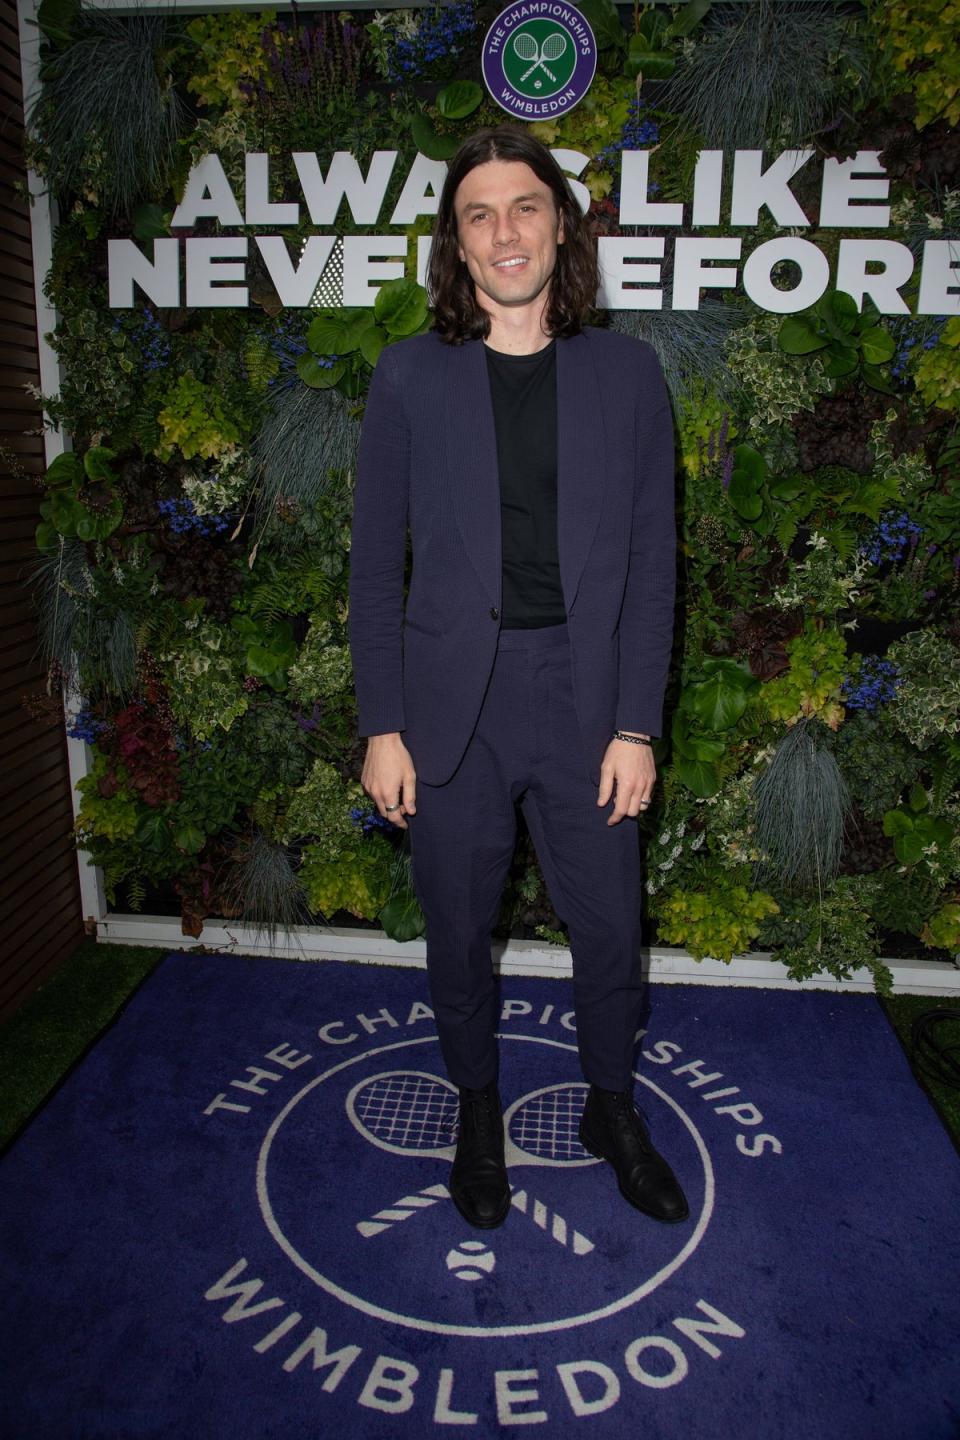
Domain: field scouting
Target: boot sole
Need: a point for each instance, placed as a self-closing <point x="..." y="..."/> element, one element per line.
<point x="599" y="1154"/>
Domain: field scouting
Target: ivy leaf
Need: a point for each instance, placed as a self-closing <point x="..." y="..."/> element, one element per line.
<point x="459" y="99"/>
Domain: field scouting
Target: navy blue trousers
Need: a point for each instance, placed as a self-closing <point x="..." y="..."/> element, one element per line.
<point x="527" y="747"/>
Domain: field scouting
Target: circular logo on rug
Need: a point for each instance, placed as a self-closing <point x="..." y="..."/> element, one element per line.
<point x="539" y="59"/>
<point x="352" y="1183"/>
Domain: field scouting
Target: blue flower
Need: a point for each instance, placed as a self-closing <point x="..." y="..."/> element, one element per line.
<point x="636" y="133"/>
<point x="86" y="727"/>
<point x="182" y="517"/>
<point x="441" y="34"/>
<point x="891" y="538"/>
<point x="370" y="820"/>
<point x="875" y="684"/>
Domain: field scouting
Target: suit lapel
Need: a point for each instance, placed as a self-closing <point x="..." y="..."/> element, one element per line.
<point x="580" y="462"/>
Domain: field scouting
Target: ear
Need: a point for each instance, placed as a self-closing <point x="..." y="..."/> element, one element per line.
<point x="560" y="234"/>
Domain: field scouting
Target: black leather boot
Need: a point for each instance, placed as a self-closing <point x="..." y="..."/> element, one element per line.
<point x="478" y="1178"/>
<point x="611" y="1129"/>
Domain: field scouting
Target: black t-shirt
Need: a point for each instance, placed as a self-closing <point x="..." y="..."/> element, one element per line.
<point x="524" y="393"/>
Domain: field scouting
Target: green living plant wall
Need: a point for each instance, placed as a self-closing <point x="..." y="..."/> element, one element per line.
<point x="194" y="547"/>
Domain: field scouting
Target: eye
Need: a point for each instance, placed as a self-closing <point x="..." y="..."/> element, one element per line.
<point x="478" y="215"/>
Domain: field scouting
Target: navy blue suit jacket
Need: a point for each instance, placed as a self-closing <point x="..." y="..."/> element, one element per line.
<point x="428" y="461"/>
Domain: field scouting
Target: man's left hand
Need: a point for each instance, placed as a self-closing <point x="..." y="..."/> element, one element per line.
<point x="632" y="770"/>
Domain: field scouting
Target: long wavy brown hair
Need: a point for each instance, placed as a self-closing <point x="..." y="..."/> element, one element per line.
<point x="457" y="315"/>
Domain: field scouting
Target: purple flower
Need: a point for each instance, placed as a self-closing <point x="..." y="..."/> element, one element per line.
<point x="727" y="469"/>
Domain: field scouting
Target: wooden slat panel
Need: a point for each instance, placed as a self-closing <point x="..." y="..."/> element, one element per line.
<point x="40" y="950"/>
<point x="49" y="830"/>
<point x="40" y="911"/>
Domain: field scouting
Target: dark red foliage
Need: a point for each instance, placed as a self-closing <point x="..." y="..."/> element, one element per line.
<point x="205" y="890"/>
<point x="196" y="568"/>
<point x="838" y="431"/>
<point x="762" y="635"/>
<point x="143" y="744"/>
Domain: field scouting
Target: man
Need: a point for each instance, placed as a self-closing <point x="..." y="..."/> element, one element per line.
<point x="532" y="459"/>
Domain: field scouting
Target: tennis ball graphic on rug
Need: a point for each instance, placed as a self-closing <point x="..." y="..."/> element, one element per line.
<point x="471" y="1260"/>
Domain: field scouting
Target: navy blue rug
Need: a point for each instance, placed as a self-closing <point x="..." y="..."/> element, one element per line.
<point x="231" y="1221"/>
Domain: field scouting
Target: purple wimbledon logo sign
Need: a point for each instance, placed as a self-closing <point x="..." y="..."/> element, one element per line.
<point x="539" y="59"/>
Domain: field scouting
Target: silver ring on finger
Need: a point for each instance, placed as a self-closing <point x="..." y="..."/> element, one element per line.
<point x="391" y="807"/>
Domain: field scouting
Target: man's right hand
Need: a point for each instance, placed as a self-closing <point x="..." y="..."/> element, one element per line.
<point x="389" y="777"/>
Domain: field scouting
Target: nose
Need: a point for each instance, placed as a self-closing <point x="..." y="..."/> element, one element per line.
<point x="505" y="230"/>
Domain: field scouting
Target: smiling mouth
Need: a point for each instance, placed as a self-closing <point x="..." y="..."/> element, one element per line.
<point x="513" y="263"/>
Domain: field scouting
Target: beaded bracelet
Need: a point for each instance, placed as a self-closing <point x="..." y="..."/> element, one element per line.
<point x="634" y="739"/>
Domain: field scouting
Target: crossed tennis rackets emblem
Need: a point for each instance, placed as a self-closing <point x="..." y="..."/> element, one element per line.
<point x="413" y="1112"/>
<point x="526" y="48"/>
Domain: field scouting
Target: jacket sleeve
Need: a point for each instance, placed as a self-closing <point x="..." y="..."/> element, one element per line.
<point x="647" y="614"/>
<point x="377" y="553"/>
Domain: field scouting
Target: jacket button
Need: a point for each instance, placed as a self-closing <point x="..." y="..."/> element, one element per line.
<point x="494" y="612"/>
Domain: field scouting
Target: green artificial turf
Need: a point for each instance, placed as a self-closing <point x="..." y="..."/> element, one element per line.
<point x="902" y="1010"/>
<point x="63" y="1018"/>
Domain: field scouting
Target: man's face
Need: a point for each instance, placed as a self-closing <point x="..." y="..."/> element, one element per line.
<point x="508" y="230"/>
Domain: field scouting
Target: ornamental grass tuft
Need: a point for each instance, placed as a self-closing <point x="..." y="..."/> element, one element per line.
<point x="801" y="802"/>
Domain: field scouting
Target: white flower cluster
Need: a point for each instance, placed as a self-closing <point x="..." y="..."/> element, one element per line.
<point x="824" y="581"/>
<point x="656" y="879"/>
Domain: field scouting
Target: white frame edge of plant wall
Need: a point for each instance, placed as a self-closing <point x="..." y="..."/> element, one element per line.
<point x="665" y="966"/>
<point x="517" y="957"/>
